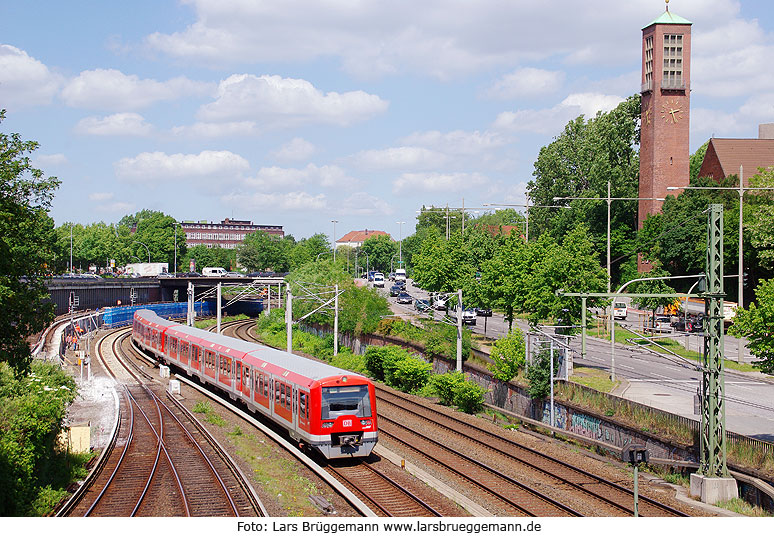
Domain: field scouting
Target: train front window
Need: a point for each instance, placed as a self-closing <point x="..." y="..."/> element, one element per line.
<point x="345" y="400"/>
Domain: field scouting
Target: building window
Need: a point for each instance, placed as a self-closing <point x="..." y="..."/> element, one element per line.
<point x="649" y="62"/>
<point x="673" y="61"/>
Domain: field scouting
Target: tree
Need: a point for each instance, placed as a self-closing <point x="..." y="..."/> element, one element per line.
<point x="26" y="235"/>
<point x="380" y="250"/>
<point x="579" y="163"/>
<point x="208" y="257"/>
<point x="509" y="355"/>
<point x="261" y="251"/>
<point x="755" y="324"/>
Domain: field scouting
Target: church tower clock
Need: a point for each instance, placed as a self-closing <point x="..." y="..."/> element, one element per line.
<point x="665" y="108"/>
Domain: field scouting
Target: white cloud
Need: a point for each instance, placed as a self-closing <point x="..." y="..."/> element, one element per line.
<point x="120" y="124"/>
<point x="400" y="158"/>
<point x="457" y="142"/>
<point x="284" y="201"/>
<point x="364" y="204"/>
<point x="100" y="196"/>
<point x="438" y="182"/>
<point x="269" y="178"/>
<point x="526" y="82"/>
<point x="282" y="101"/>
<point x="295" y="150"/>
<point x="109" y="89"/>
<point x="25" y="81"/>
<point x="150" y="166"/>
<point x="552" y="120"/>
<point x="214" y="130"/>
<point x="45" y="160"/>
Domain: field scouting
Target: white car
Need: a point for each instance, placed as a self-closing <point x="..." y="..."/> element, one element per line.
<point x="439" y="303"/>
<point x="378" y="280"/>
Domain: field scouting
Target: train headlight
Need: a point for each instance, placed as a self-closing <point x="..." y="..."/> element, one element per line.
<point x="365" y="423"/>
<point x="327" y="425"/>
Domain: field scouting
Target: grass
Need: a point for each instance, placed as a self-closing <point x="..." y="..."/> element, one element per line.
<point x="592" y="378"/>
<point x="740" y="506"/>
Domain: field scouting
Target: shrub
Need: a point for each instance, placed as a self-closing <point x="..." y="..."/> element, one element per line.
<point x="509" y="354"/>
<point x="380" y="360"/>
<point x="443" y="386"/>
<point x="409" y="374"/>
<point x="469" y="396"/>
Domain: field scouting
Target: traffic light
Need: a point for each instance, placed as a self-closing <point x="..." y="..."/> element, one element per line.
<point x="744" y="279"/>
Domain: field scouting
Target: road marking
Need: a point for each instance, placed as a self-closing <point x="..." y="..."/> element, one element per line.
<point x="662" y="376"/>
<point x="627" y="367"/>
<point x="662" y="380"/>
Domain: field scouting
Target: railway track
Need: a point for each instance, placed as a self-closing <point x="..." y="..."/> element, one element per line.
<point x="383" y="494"/>
<point x="606" y="497"/>
<point x="161" y="461"/>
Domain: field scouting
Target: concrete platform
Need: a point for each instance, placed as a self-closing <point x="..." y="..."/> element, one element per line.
<point x="713" y="490"/>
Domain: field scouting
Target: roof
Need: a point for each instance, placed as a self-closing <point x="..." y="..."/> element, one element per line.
<point x="668" y="18"/>
<point x="751" y="154"/>
<point x="358" y="236"/>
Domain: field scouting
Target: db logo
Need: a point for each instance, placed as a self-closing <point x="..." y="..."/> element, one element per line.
<point x="346" y="423"/>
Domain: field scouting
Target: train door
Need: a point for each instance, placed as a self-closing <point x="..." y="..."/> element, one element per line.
<point x="303" y="411"/>
<point x="209" y="364"/>
<point x="225" y="370"/>
<point x="283" y="400"/>
<point x="196" y="353"/>
<point x="185" y="352"/>
<point x="238" y="375"/>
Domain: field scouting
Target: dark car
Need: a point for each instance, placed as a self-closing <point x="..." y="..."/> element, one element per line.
<point x="401" y="284"/>
<point x="395" y="290"/>
<point x="693" y="323"/>
<point x="422" y="305"/>
<point x="483" y="312"/>
<point x="404" y="297"/>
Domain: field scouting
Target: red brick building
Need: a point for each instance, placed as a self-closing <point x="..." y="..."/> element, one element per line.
<point x="666" y="87"/>
<point x="725" y="156"/>
<point x="227" y="234"/>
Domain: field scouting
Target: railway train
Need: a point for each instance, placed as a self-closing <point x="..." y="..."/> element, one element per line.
<point x="325" y="408"/>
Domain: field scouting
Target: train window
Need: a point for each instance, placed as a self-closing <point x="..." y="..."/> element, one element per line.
<point x="247" y="380"/>
<point x="265" y="387"/>
<point x="339" y="400"/>
<point x="302" y="403"/>
<point x="277" y="392"/>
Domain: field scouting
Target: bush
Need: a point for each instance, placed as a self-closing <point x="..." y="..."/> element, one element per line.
<point x="443" y="386"/>
<point x="409" y="374"/>
<point x="348" y="361"/>
<point x="469" y="397"/>
<point x="380" y="360"/>
<point x="509" y="354"/>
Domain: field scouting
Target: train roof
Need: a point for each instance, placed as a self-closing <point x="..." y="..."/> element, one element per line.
<point x="309" y="368"/>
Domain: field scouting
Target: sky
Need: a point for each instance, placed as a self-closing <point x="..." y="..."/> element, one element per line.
<point x="300" y="113"/>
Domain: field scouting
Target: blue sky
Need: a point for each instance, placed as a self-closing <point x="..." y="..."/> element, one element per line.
<point x="300" y="112"/>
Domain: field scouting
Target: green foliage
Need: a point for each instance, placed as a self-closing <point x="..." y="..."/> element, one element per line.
<point x="26" y="238"/>
<point x="509" y="354"/>
<point x="360" y="308"/>
<point x="32" y="411"/>
<point x="349" y="361"/>
<point x="579" y="163"/>
<point x="261" y="251"/>
<point x="539" y="375"/>
<point x="397" y="368"/>
<point x="469" y="397"/>
<point x="380" y="250"/>
<point x="755" y="323"/>
<point x="444" y="386"/>
<point x="205" y="256"/>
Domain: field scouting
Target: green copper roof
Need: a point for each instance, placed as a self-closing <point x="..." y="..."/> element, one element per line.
<point x="669" y="18"/>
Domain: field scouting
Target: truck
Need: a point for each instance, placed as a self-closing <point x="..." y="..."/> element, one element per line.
<point x="151" y="269"/>
<point x="693" y="305"/>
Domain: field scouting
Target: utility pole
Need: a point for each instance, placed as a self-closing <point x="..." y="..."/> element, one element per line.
<point x="289" y="320"/>
<point x="713" y="483"/>
<point x="459" y="330"/>
<point x="336" y="321"/>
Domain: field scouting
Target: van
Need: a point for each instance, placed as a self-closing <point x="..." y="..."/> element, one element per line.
<point x="378" y="280"/>
<point x="214" y="272"/>
<point x="400" y="274"/>
<point x="619" y="310"/>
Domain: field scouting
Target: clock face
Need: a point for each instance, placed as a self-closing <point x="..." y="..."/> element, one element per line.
<point x="672" y="111"/>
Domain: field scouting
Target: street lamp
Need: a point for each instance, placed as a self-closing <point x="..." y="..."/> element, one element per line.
<point x="400" y="242"/>
<point x="334" y="239"/>
<point x="741" y="189"/>
<point x="146" y="248"/>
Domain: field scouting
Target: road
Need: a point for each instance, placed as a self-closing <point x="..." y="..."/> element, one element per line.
<point x="658" y="380"/>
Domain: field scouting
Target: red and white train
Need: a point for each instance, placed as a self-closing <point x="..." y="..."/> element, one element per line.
<point x="324" y="407"/>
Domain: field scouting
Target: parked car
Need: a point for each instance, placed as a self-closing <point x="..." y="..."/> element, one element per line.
<point x="395" y="290"/>
<point x="404" y="297"/>
<point x="662" y="324"/>
<point x="422" y="305"/>
<point x="234" y="274"/>
<point x="692" y="323"/>
<point x="483" y="312"/>
<point x="439" y="303"/>
<point x="164" y="275"/>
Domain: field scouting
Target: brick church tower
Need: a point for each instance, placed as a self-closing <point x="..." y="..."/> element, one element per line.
<point x="666" y="77"/>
